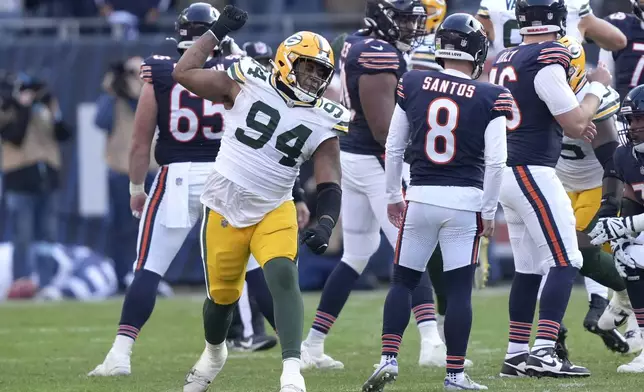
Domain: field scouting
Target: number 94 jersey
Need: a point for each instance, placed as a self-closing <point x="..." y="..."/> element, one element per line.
<point x="266" y="139"/>
<point x="190" y="127"/>
<point x="578" y="168"/>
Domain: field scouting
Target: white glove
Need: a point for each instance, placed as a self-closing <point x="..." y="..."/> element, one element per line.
<point x="608" y="229"/>
<point x="622" y="258"/>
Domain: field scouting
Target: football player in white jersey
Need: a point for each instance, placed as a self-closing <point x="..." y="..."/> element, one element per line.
<point x="587" y="173"/>
<point x="274" y="122"/>
<point x="499" y="19"/>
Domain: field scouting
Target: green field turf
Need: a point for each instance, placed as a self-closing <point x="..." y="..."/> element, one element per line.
<point x="51" y="347"/>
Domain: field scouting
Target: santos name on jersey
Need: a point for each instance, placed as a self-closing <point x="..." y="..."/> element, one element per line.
<point x="578" y="168"/>
<point x="189" y="127"/>
<point x="506" y="27"/>
<point x="266" y="139"/>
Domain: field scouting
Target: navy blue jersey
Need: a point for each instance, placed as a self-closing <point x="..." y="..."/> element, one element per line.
<point x="448" y="116"/>
<point x="534" y="136"/>
<point x="364" y="56"/>
<point x="629" y="72"/>
<point x="630" y="170"/>
<point x="190" y="127"/>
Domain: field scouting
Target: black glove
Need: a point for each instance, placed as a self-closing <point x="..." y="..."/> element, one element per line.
<point x="609" y="207"/>
<point x="231" y="19"/>
<point x="317" y="237"/>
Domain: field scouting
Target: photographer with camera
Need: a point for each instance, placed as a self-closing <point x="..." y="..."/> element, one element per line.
<point x="31" y="127"/>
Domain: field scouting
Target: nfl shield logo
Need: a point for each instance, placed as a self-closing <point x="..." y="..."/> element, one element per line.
<point x="642" y="170"/>
<point x="224" y="223"/>
<point x="179" y="181"/>
<point x="549" y="16"/>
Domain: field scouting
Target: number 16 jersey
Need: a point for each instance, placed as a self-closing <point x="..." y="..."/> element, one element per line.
<point x="266" y="139"/>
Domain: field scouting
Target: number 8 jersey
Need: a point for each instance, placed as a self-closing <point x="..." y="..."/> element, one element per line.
<point x="267" y="137"/>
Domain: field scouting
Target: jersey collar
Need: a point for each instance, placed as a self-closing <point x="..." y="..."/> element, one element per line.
<point x="290" y="102"/>
<point x="456" y="73"/>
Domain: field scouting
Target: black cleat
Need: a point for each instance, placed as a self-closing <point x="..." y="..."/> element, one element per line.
<point x="544" y="362"/>
<point x="514" y="366"/>
<point x="560" y="346"/>
<point x="613" y="339"/>
<point x="253" y="343"/>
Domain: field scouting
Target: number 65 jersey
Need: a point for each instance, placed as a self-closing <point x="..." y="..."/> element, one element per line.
<point x="267" y="137"/>
<point x="578" y="167"/>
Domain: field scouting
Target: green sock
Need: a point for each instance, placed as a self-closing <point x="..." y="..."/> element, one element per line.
<point x="282" y="279"/>
<point x="216" y="320"/>
<point x="436" y="276"/>
<point x="600" y="267"/>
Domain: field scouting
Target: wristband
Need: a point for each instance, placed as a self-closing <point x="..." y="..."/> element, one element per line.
<point x="597" y="89"/>
<point x="218" y="31"/>
<point x="136" y="189"/>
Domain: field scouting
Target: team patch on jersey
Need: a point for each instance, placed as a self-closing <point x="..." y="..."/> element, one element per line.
<point x="555" y="55"/>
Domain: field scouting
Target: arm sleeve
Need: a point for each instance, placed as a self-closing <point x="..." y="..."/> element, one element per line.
<point x="552" y="87"/>
<point x="395" y="149"/>
<point x="495" y="157"/>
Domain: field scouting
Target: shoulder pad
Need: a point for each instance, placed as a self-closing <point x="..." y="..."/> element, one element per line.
<point x="156" y="67"/>
<point x="336" y="114"/>
<point x="247" y="70"/>
<point x="608" y="106"/>
<point x="555" y="53"/>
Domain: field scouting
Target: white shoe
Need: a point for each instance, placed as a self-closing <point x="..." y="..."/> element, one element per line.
<point x="292" y="382"/>
<point x="616" y="313"/>
<point x="440" y="324"/>
<point x="205" y="370"/>
<point x="635" y="366"/>
<point x="115" y="364"/>
<point x="432" y="353"/>
<point x="386" y="372"/>
<point x="317" y="359"/>
<point x="467" y="384"/>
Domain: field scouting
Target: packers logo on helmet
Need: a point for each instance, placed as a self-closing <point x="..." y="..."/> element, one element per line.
<point x="304" y="62"/>
<point x="436" y="10"/>
<point x="577" y="70"/>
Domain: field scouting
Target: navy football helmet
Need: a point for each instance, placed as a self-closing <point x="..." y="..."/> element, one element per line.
<point x="260" y="52"/>
<point x="541" y="16"/>
<point x="193" y="22"/>
<point x="462" y="37"/>
<point x="399" y="22"/>
<point x="631" y="115"/>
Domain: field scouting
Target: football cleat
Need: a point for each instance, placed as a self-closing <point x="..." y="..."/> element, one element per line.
<point x="544" y="362"/>
<point x="205" y="370"/>
<point x="292" y="382"/>
<point x="466" y="385"/>
<point x="115" y="364"/>
<point x="386" y="372"/>
<point x="612" y="338"/>
<point x="616" y="312"/>
<point x="635" y="366"/>
<point x="432" y="353"/>
<point x="560" y="346"/>
<point x="317" y="359"/>
<point x="514" y="366"/>
<point x="252" y="343"/>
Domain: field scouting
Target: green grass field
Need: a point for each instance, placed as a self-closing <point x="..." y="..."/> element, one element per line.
<point x="51" y="347"/>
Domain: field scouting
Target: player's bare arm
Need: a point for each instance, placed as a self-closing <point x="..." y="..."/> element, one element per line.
<point x="328" y="174"/>
<point x="604" y="34"/>
<point x="378" y="102"/>
<point x="488" y="26"/>
<point x="604" y="145"/>
<point x="213" y="85"/>
<point x="145" y="122"/>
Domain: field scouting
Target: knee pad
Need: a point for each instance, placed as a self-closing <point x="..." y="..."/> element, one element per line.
<point x="225" y="296"/>
<point x="358" y="249"/>
<point x="406" y="276"/>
